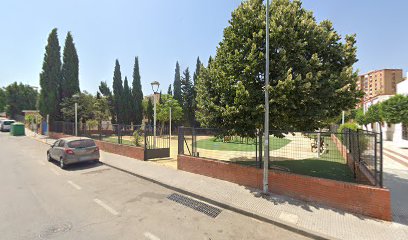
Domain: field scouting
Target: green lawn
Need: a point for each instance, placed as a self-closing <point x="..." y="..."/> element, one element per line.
<point x="236" y="145"/>
<point x="330" y="165"/>
<point x="114" y="139"/>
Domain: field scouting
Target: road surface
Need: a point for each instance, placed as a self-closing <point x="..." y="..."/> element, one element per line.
<point x="93" y="201"/>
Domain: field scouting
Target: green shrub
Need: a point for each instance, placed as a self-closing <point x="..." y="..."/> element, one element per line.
<point x="351" y="126"/>
<point x="137" y="137"/>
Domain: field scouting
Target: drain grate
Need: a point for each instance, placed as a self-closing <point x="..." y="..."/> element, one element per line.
<point x="196" y="205"/>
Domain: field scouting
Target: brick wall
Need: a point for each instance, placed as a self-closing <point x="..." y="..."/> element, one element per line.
<point x="361" y="199"/>
<point x="124" y="150"/>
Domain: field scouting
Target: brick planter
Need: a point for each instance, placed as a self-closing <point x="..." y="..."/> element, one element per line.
<point x="355" y="198"/>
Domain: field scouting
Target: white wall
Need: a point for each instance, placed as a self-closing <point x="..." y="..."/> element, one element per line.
<point x="402" y="88"/>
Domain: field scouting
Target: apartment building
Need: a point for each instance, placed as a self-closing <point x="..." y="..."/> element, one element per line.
<point x="379" y="82"/>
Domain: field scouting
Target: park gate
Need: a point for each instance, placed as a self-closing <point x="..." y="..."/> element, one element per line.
<point x="156" y="145"/>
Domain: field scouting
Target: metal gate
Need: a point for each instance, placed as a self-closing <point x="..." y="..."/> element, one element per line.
<point x="156" y="145"/>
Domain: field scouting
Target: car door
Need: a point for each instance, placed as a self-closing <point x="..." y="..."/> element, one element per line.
<point x="53" y="150"/>
<point x="60" y="149"/>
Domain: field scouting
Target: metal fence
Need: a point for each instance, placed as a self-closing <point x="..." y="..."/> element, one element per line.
<point x="318" y="154"/>
<point x="114" y="133"/>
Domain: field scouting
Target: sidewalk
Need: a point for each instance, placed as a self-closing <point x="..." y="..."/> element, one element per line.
<point x="316" y="219"/>
<point x="396" y="179"/>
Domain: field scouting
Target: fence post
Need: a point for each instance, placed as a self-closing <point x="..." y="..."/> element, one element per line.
<point x="375" y="160"/>
<point x="318" y="144"/>
<point x="193" y="136"/>
<point x="181" y="140"/>
<point x="381" y="159"/>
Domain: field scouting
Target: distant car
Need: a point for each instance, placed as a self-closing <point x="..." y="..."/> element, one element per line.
<point x="5" y="125"/>
<point x="73" y="150"/>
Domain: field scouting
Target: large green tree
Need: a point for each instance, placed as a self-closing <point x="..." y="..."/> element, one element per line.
<point x="137" y="95"/>
<point x="374" y="114"/>
<point x="149" y="111"/>
<point x="395" y="109"/>
<point x="70" y="69"/>
<point x="163" y="110"/>
<point x="19" y="97"/>
<point x="177" y="84"/>
<point x="311" y="71"/>
<point x="127" y="102"/>
<point x="187" y="90"/>
<point x="2" y="99"/>
<point x="361" y="117"/>
<point x="118" y="94"/>
<point x="169" y="91"/>
<point x="195" y="80"/>
<point x="50" y="79"/>
<point x="107" y="94"/>
<point x="86" y="107"/>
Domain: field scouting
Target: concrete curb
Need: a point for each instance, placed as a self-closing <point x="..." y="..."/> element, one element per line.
<point x="284" y="225"/>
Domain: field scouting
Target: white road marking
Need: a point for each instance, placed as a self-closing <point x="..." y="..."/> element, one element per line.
<point x="104" y="205"/>
<point x="55" y="171"/>
<point x="41" y="163"/>
<point x="74" y="185"/>
<point x="150" y="236"/>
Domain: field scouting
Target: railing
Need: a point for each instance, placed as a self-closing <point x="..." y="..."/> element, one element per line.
<point x="321" y="154"/>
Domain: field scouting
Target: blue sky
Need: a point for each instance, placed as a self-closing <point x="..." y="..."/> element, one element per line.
<point x="161" y="32"/>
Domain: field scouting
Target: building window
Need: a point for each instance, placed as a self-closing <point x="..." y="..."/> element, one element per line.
<point x="404" y="131"/>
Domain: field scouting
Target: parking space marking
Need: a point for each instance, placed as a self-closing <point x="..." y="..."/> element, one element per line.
<point x="104" y="205"/>
<point x="55" y="171"/>
<point x="41" y="162"/>
<point x="150" y="236"/>
<point x="74" y="185"/>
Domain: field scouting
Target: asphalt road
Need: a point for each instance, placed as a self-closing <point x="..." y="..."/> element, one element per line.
<point x="38" y="200"/>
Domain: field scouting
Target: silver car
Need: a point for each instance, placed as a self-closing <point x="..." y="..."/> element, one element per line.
<point x="5" y="125"/>
<point x="73" y="150"/>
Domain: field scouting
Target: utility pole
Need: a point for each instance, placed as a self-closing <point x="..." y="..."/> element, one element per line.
<point x="76" y="119"/>
<point x="342" y="118"/>
<point x="266" y="125"/>
<point x="154" y="121"/>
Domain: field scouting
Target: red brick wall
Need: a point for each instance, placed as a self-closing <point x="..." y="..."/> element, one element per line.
<point x="361" y="199"/>
<point x="124" y="150"/>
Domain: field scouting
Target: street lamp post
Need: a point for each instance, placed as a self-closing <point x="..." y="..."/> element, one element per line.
<point x="155" y="88"/>
<point x="266" y="125"/>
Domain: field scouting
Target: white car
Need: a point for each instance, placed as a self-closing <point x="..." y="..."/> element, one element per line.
<point x="5" y="125"/>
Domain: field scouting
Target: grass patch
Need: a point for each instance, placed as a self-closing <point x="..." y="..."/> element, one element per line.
<point x="236" y="145"/>
<point x="114" y="139"/>
<point x="330" y="165"/>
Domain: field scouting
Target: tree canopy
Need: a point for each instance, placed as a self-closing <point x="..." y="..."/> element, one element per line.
<point x="137" y="95"/>
<point x="374" y="114"/>
<point x="19" y="97"/>
<point x="177" y="84"/>
<point x="187" y="90"/>
<point x="70" y="69"/>
<point x="311" y="74"/>
<point x="163" y="109"/>
<point x="50" y="78"/>
<point x="86" y="110"/>
<point x="117" y="94"/>
<point x="395" y="109"/>
<point x="2" y="99"/>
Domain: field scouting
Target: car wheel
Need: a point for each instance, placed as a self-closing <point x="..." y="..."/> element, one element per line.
<point x="96" y="161"/>
<point x="62" y="164"/>
<point x="49" y="157"/>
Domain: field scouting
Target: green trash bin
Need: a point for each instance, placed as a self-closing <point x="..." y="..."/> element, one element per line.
<point x="17" y="129"/>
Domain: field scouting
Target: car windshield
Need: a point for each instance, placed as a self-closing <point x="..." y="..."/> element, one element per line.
<point x="82" y="143"/>
<point x="8" y="122"/>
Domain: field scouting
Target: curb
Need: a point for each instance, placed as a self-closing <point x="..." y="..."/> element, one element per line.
<point x="287" y="226"/>
<point x="290" y="227"/>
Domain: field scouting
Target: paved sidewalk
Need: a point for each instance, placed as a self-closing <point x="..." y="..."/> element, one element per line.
<point x="396" y="179"/>
<point x="321" y="220"/>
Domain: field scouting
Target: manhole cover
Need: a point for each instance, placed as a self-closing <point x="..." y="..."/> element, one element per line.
<point x="55" y="230"/>
<point x="196" y="205"/>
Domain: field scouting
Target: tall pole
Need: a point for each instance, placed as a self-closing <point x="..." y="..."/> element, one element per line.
<point x="266" y="125"/>
<point x="342" y="117"/>
<point x="154" y="121"/>
<point x="76" y="119"/>
<point x="48" y="125"/>
<point x="170" y="125"/>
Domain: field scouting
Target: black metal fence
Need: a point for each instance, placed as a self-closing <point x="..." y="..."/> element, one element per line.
<point x="318" y="154"/>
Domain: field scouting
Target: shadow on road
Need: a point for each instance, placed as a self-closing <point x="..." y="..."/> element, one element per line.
<point x="80" y="166"/>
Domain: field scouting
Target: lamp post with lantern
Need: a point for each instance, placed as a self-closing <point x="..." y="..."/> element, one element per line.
<point x="155" y="88"/>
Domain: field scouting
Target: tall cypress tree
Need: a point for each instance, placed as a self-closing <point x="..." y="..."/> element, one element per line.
<point x="177" y="85"/>
<point x="127" y="102"/>
<point x="137" y="95"/>
<point x="50" y="78"/>
<point x="70" y="69"/>
<point x="169" y="91"/>
<point x="188" y="95"/>
<point x="195" y="79"/>
<point x="150" y="112"/>
<point x="118" y="94"/>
